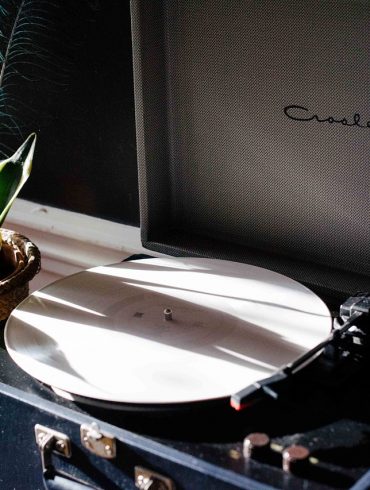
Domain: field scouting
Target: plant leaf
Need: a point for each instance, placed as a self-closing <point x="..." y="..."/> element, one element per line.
<point x="14" y="172"/>
<point x="33" y="66"/>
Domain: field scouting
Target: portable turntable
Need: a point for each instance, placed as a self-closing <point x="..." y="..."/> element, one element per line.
<point x="241" y="359"/>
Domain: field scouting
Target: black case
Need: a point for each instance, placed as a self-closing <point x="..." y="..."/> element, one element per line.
<point x="253" y="143"/>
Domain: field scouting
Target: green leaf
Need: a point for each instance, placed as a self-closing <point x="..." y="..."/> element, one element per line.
<point x="14" y="172"/>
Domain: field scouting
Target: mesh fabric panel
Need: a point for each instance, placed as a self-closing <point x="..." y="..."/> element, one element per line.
<point x="237" y="163"/>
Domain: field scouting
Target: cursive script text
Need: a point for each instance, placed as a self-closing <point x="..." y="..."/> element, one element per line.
<point x="299" y="113"/>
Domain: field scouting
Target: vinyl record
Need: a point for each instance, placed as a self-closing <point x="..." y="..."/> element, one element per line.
<point x="164" y="330"/>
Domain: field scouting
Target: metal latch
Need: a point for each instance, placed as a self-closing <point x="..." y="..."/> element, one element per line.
<point x="98" y="442"/>
<point x="150" y="480"/>
<point x="50" y="441"/>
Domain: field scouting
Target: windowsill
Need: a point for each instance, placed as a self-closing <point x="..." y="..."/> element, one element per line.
<point x="70" y="242"/>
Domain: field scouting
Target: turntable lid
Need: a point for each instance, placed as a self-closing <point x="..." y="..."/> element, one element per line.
<point x="107" y="334"/>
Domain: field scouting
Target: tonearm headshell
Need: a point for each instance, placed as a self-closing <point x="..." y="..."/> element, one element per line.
<point x="348" y="340"/>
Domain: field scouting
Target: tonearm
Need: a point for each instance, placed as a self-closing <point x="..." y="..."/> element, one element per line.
<point x="349" y="333"/>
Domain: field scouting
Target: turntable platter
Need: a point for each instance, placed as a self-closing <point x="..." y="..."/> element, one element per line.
<point x="164" y="330"/>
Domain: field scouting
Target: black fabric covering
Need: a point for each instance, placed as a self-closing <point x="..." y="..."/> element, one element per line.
<point x="61" y="483"/>
<point x="227" y="167"/>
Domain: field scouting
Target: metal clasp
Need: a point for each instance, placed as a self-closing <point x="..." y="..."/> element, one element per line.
<point x="150" y="480"/>
<point x="98" y="442"/>
<point x="49" y="441"/>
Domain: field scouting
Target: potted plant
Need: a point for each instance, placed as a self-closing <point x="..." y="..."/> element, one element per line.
<point x="19" y="258"/>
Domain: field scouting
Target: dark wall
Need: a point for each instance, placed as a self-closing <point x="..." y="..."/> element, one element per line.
<point x="73" y="85"/>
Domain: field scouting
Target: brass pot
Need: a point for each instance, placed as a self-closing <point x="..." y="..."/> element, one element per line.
<point x="19" y="262"/>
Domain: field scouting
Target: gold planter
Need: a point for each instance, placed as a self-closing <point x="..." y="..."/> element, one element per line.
<point x="19" y="263"/>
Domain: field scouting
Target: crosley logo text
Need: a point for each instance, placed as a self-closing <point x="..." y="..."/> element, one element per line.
<point x="299" y="113"/>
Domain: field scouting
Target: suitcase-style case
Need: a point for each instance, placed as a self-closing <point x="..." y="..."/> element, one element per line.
<point x="253" y="146"/>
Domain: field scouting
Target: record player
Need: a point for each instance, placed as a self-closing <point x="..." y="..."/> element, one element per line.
<point x="240" y="358"/>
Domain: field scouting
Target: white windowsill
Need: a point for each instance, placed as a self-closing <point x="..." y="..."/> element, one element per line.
<point x="70" y="242"/>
